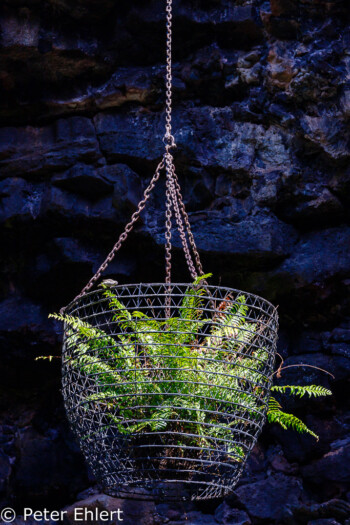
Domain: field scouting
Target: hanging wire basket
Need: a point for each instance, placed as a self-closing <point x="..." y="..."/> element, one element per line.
<point x="166" y="386"/>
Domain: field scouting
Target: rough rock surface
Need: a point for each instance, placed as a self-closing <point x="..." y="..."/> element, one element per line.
<point x="261" y="120"/>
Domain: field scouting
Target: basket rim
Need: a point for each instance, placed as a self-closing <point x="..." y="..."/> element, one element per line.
<point x="210" y="286"/>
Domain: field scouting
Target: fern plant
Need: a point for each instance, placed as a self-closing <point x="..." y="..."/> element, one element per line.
<point x="210" y="365"/>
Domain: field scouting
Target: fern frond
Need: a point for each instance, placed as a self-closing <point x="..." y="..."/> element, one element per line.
<point x="285" y="420"/>
<point x="301" y="391"/>
<point x="274" y="404"/>
<point x="83" y="337"/>
<point x="201" y="278"/>
<point x="73" y="322"/>
<point x="191" y="304"/>
<point x="160" y="418"/>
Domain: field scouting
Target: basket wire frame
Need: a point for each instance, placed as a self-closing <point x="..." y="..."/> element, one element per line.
<point x="170" y="463"/>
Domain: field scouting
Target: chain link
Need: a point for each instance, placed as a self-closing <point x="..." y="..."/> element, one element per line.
<point x="168" y="137"/>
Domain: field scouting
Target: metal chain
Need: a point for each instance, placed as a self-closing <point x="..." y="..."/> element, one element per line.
<point x="187" y="223"/>
<point x="123" y="236"/>
<point x="180" y="226"/>
<point x="168" y="224"/>
<point x="168" y="137"/>
<point x="170" y="143"/>
<point x="168" y="219"/>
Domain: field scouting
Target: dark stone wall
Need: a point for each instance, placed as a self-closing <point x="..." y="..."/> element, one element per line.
<point x="261" y="119"/>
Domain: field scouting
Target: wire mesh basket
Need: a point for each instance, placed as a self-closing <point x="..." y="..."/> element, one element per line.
<point x="166" y="386"/>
